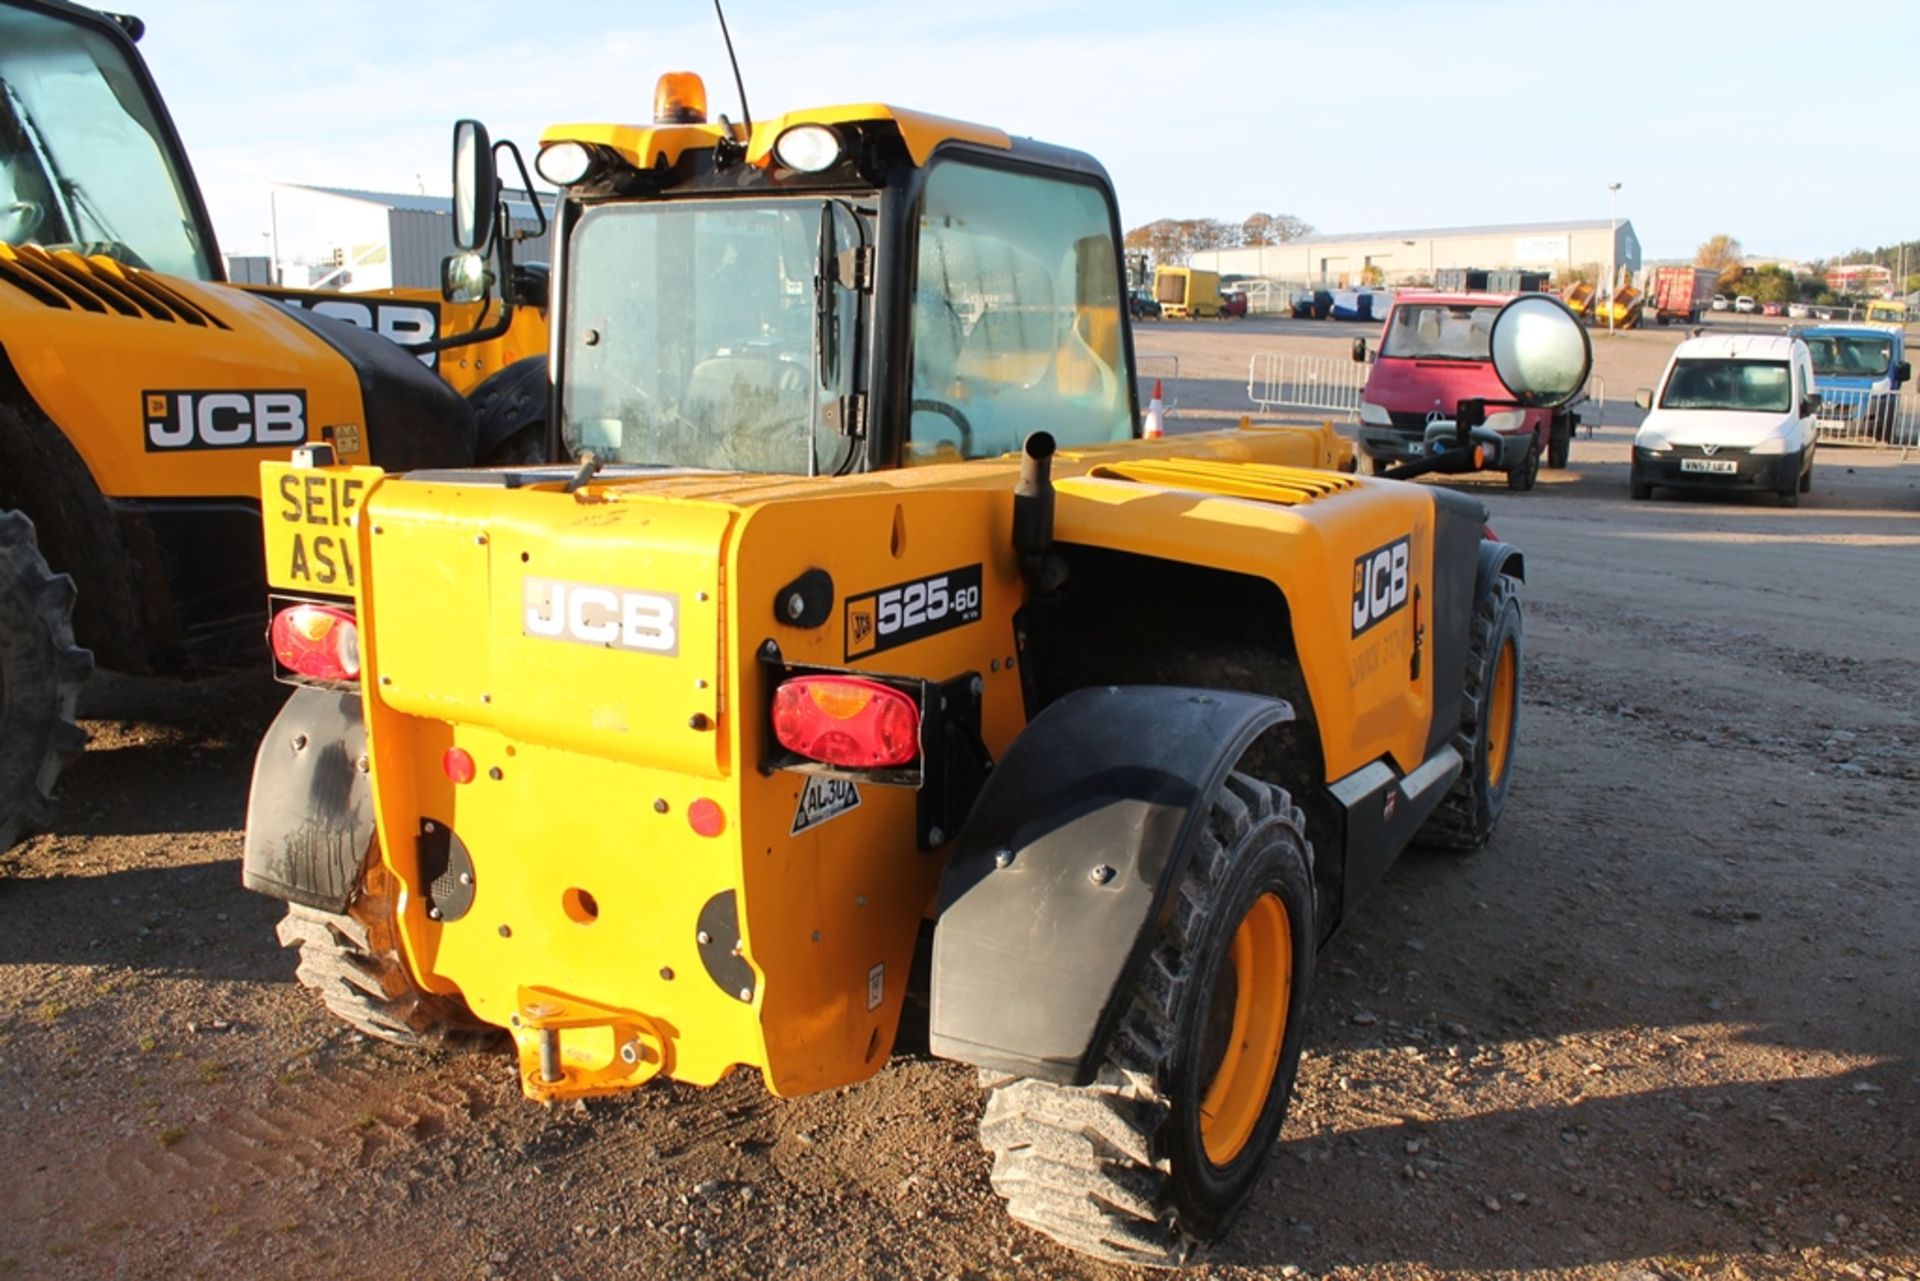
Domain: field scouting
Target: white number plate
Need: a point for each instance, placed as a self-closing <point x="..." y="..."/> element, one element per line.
<point x="1716" y="466"/>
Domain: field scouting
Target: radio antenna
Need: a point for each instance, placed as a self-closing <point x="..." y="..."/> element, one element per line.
<point x="738" y="83"/>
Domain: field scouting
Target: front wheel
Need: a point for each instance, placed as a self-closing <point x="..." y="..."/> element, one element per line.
<point x="1489" y="724"/>
<point x="1521" y="475"/>
<point x="1559" y="441"/>
<point x="41" y="671"/>
<point x="1164" y="1147"/>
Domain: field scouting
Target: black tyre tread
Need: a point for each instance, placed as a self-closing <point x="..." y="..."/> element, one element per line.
<point x="1083" y="1164"/>
<point x="1455" y="824"/>
<point x="369" y="990"/>
<point x="41" y="671"/>
<point x="1560" y="442"/>
<point x="510" y="410"/>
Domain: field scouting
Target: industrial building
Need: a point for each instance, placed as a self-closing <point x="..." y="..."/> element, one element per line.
<point x="347" y="239"/>
<point x="1412" y="257"/>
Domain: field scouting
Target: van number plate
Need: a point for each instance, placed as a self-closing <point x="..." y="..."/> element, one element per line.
<point x="1716" y="466"/>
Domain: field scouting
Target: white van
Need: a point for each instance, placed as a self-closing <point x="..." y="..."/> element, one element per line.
<point x="1736" y="411"/>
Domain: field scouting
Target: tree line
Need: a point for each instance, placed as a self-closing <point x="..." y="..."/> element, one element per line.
<point x="1174" y="241"/>
<point x="1773" y="283"/>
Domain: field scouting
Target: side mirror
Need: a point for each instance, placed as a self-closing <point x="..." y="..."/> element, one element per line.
<point x="1902" y="373"/>
<point x="1540" y="351"/>
<point x="1359" y="351"/>
<point x="1810" y="406"/>
<point x="475" y="187"/>
<point x="465" y="277"/>
<point x="1643" y="399"/>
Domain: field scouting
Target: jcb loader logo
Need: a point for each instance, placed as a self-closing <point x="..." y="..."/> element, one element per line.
<point x="178" y="420"/>
<point x="1379" y="584"/>
<point x="604" y="617"/>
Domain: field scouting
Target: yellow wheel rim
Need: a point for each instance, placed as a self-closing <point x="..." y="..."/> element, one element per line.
<point x="1500" y="717"/>
<point x="1258" y="980"/>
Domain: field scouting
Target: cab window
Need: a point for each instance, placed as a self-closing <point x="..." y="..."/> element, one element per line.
<point x="1016" y="316"/>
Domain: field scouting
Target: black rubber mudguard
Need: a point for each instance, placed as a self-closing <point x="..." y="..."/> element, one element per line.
<point x="1497" y="558"/>
<point x="310" y="813"/>
<point x="1065" y="869"/>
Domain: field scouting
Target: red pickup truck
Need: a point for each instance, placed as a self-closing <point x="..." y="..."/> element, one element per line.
<point x="1434" y="354"/>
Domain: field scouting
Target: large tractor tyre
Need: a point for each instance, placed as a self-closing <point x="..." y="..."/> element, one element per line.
<point x="1559" y="441"/>
<point x="351" y="962"/>
<point x="1489" y="723"/>
<point x="41" y="671"/>
<point x="510" y="415"/>
<point x="1167" y="1143"/>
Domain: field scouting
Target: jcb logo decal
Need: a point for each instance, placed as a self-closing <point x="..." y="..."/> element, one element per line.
<point x="1379" y="584"/>
<point x="178" y="420"/>
<point x="605" y="617"/>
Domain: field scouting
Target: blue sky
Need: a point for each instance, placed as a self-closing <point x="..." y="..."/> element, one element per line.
<point x="1764" y="120"/>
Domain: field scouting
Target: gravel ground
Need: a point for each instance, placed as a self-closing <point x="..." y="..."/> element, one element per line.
<point x="1664" y="1026"/>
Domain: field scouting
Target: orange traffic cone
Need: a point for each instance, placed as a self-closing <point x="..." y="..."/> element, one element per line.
<point x="1156" y="424"/>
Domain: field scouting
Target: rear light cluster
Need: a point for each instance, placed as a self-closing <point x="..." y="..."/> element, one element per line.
<point x="319" y="642"/>
<point x="846" y="721"/>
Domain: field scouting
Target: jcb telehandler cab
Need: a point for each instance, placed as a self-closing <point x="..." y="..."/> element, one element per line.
<point x="860" y="621"/>
<point x="139" y="392"/>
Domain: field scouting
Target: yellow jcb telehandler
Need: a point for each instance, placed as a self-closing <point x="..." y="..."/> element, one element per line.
<point x="858" y="626"/>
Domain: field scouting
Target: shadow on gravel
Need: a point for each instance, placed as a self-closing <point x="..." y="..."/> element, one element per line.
<point x="190" y="920"/>
<point x="1669" y="1173"/>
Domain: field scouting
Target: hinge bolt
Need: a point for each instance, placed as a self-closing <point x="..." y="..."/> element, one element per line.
<point x="1101" y="874"/>
<point x="1003" y="857"/>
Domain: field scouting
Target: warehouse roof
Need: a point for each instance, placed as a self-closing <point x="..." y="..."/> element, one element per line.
<point x="1445" y="233"/>
<point x="516" y="199"/>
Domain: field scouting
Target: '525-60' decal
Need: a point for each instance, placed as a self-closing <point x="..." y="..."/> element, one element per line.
<point x="911" y="611"/>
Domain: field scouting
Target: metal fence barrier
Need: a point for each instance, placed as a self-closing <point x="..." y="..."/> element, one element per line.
<point x="1890" y="419"/>
<point x="1162" y="367"/>
<point x="1326" y="384"/>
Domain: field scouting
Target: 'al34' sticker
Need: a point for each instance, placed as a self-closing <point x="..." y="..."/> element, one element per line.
<point x="822" y="800"/>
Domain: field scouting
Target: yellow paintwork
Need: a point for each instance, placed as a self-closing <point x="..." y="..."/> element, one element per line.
<point x="1193" y="292"/>
<point x="89" y="370"/>
<point x="599" y="752"/>
<point x="650" y="146"/>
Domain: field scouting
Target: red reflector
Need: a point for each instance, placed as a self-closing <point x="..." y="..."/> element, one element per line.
<point x="457" y="764"/>
<point x="706" y="818"/>
<point x="1487" y="532"/>
<point x="843" y="720"/>
<point x="319" y="641"/>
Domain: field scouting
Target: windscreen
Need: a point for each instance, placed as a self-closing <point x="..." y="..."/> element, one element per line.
<point x="1440" y="331"/>
<point x="83" y="161"/>
<point x="691" y="335"/>
<point x="1747" y="386"/>
<point x="1837" y="356"/>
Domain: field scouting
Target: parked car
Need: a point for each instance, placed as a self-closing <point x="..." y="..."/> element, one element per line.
<point x="1859" y="371"/>
<point x="1745" y="305"/>
<point x="1772" y="309"/>
<point x="1311" y="304"/>
<point x="1720" y="302"/>
<point x="1233" y="302"/>
<point x="1141" y="306"/>
<point x="1732" y="411"/>
<point x="1798" y="311"/>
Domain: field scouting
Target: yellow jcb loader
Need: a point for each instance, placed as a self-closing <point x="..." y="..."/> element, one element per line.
<point x="859" y="626"/>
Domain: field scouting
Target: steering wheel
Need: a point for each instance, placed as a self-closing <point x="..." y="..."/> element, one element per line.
<point x="951" y="414"/>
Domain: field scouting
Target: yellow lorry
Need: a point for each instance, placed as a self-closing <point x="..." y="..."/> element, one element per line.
<point x="858" y="654"/>
<point x="1185" y="293"/>
<point x="139" y="392"/>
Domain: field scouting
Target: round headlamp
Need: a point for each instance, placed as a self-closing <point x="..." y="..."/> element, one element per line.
<point x="807" y="148"/>
<point x="563" y="163"/>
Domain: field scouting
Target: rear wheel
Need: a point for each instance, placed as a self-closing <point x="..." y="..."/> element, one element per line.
<point x="1559" y="441"/>
<point x="1489" y="725"/>
<point x="352" y="961"/>
<point x="1167" y="1143"/>
<point x="41" y="671"/>
<point x="1638" y="490"/>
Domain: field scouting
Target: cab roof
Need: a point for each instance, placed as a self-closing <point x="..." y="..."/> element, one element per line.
<point x="646" y="146"/>
<point x="1737" y="347"/>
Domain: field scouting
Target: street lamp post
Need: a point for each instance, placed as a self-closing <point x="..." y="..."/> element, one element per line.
<point x="1613" y="247"/>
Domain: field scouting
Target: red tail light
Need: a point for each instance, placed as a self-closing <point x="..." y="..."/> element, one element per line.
<point x="846" y="721"/>
<point x="317" y="641"/>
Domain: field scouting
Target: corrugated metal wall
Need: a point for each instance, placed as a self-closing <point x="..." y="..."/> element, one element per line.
<point x="419" y="241"/>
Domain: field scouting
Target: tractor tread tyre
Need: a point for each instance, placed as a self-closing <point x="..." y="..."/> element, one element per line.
<point x="369" y="988"/>
<point x="1471" y="809"/>
<point x="41" y="671"/>
<point x="510" y="413"/>
<point x="1112" y="1169"/>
